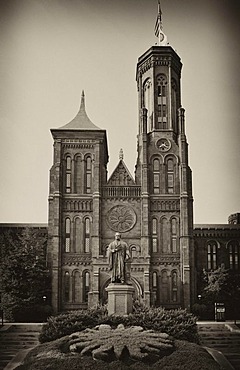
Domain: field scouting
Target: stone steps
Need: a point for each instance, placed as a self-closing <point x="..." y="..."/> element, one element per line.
<point x="219" y="337"/>
<point x="15" y="339"/>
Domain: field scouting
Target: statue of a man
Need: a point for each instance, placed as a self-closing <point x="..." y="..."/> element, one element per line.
<point x="118" y="253"/>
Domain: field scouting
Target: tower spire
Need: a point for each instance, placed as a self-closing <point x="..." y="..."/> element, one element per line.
<point x="82" y="105"/>
<point x="158" y="30"/>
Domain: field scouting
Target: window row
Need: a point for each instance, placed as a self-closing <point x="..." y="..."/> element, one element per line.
<point x="164" y="176"/>
<point x="76" y="286"/>
<point x="165" y="287"/>
<point x="161" y="95"/>
<point x="77" y="235"/>
<point x="78" y="174"/>
<point x="213" y="255"/>
<point x="165" y="235"/>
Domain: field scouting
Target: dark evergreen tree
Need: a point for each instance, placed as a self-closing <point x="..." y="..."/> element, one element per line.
<point x="24" y="276"/>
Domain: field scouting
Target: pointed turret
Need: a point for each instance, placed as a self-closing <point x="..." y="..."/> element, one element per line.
<point x="81" y="121"/>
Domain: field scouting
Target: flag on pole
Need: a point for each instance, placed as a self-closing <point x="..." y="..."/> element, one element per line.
<point x="158" y="24"/>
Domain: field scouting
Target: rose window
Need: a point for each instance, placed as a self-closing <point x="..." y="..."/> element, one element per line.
<point x="121" y="218"/>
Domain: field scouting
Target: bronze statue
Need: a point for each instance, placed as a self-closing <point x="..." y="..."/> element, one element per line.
<point x="118" y="254"/>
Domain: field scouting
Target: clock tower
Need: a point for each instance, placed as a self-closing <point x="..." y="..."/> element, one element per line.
<point x="164" y="175"/>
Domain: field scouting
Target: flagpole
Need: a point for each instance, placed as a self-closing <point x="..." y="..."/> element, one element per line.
<point x="159" y="20"/>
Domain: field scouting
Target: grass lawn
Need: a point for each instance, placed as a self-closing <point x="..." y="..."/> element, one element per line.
<point x="53" y="356"/>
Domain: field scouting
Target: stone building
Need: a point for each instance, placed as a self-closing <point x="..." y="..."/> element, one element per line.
<point x="153" y="210"/>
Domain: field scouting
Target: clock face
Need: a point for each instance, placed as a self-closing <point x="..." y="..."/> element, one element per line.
<point x="163" y="145"/>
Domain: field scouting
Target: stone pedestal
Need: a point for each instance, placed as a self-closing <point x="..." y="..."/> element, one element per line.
<point x="120" y="299"/>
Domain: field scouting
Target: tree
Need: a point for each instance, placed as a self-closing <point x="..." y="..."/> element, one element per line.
<point x="23" y="273"/>
<point x="222" y="285"/>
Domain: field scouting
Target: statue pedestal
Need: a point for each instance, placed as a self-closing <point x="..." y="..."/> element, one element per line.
<point x="120" y="299"/>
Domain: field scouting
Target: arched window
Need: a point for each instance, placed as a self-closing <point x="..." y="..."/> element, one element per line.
<point x="155" y="280"/>
<point x="174" y="286"/>
<point x="164" y="287"/>
<point x="170" y="176"/>
<point x="67" y="235"/>
<point x="212" y="255"/>
<point x="174" y="105"/>
<point x="88" y="175"/>
<point x="174" y="234"/>
<point x="154" y="236"/>
<point x="147" y="100"/>
<point x="76" y="287"/>
<point x="66" y="287"/>
<point x="87" y="235"/>
<point x="156" y="176"/>
<point x="77" y="174"/>
<point x="86" y="285"/>
<point x="164" y="234"/>
<point x="233" y="253"/>
<point x="161" y="122"/>
<point x="68" y="174"/>
<point x="77" y="235"/>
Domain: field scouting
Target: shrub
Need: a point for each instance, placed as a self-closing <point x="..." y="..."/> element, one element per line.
<point x="68" y="323"/>
<point x="178" y="323"/>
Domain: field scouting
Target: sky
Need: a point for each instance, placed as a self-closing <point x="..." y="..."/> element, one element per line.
<point x="52" y="49"/>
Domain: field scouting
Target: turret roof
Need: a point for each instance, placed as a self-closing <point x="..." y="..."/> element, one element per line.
<point x="81" y="121"/>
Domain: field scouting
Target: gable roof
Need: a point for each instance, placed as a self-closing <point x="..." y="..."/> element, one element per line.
<point x="121" y="176"/>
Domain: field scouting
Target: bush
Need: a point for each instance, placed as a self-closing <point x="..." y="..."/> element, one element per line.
<point x="178" y="323"/>
<point x="68" y="323"/>
<point x="51" y="356"/>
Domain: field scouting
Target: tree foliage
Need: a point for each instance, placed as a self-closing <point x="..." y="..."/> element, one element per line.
<point x="23" y="273"/>
<point x="220" y="285"/>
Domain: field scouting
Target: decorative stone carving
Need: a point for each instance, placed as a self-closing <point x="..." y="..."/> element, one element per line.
<point x="121" y="176"/>
<point x="76" y="260"/>
<point x="165" y="205"/>
<point x="123" y="344"/>
<point x="121" y="218"/>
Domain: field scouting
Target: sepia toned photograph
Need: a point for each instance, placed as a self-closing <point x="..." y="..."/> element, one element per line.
<point x="119" y="190"/>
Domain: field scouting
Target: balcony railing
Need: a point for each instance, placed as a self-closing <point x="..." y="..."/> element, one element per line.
<point x="121" y="191"/>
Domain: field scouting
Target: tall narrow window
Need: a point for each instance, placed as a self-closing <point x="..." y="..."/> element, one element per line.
<point x="233" y="251"/>
<point x="174" y="234"/>
<point x="147" y="101"/>
<point x="174" y="286"/>
<point x="170" y="176"/>
<point x="87" y="235"/>
<point x="155" y="280"/>
<point x="156" y="176"/>
<point x="212" y="255"/>
<point x="88" y="175"/>
<point x="154" y="236"/>
<point x="77" y="235"/>
<point x="174" y="105"/>
<point x="68" y="178"/>
<point x="161" y="122"/>
<point x="67" y="234"/>
<point x="164" y="234"/>
<point x="77" y="175"/>
<point x="86" y="285"/>
<point x="164" y="287"/>
<point x="155" y="288"/>
<point x="66" y="287"/>
<point x="76" y="287"/>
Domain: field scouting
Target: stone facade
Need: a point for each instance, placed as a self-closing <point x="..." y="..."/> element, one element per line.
<point x="152" y="211"/>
